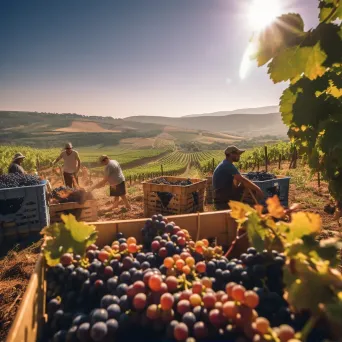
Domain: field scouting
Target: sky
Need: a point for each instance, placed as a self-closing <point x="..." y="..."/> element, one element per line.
<point x="132" y="57"/>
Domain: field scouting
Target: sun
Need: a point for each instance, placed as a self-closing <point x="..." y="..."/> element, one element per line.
<point x="263" y="12"/>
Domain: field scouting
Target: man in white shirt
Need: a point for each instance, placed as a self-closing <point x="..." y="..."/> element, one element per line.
<point x="114" y="176"/>
<point x="72" y="164"/>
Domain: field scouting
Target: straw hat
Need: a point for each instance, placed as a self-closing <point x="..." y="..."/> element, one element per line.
<point x="18" y="156"/>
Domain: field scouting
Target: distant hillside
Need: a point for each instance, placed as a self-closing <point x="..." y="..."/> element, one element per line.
<point x="241" y="124"/>
<point x="46" y="122"/>
<point x="259" y="110"/>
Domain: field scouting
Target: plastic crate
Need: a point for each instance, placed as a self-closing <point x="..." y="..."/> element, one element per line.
<point x="28" y="211"/>
<point x="279" y="186"/>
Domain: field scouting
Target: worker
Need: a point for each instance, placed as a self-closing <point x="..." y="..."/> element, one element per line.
<point x="15" y="166"/>
<point x="72" y="165"/>
<point x="114" y="176"/>
<point x="228" y="183"/>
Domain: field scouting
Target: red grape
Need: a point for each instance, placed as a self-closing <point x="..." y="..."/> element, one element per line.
<point x="166" y="301"/>
<point x="181" y="332"/>
<point x="139" y="301"/>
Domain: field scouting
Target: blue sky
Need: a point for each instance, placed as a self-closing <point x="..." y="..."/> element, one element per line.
<point x="132" y="57"/>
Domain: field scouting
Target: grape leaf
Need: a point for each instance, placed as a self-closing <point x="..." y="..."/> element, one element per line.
<point x="287" y="101"/>
<point x="330" y="10"/>
<point x="297" y="60"/>
<point x="72" y="236"/>
<point x="308" y="245"/>
<point x="256" y="232"/>
<point x="284" y="32"/>
<point x="306" y="288"/>
<point x="334" y="91"/>
<point x="301" y="224"/>
<point x="274" y="207"/>
<point x="239" y="211"/>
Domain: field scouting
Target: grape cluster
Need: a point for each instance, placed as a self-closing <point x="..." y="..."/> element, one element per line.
<point x="171" y="288"/>
<point x="260" y="176"/>
<point x="15" y="180"/>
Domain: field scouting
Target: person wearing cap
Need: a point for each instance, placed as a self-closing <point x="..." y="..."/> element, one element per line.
<point x="224" y="177"/>
<point x="15" y="166"/>
<point x="114" y="176"/>
<point x="72" y="164"/>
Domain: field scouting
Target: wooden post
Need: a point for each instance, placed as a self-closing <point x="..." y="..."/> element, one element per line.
<point x="319" y="179"/>
<point x="162" y="171"/>
<point x="258" y="165"/>
<point x="213" y="166"/>
<point x="130" y="180"/>
<point x="266" y="159"/>
<point x="280" y="156"/>
<point x="295" y="158"/>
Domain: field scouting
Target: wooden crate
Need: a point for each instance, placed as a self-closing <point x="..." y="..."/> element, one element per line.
<point x="31" y="315"/>
<point x="209" y="190"/>
<point x="182" y="201"/>
<point x="86" y="212"/>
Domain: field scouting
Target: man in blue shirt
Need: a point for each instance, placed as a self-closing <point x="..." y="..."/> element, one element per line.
<point x="224" y="177"/>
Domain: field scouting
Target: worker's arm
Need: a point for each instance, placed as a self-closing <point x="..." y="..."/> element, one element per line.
<point x="57" y="159"/>
<point x="78" y="163"/>
<point x="249" y="185"/>
<point x="99" y="184"/>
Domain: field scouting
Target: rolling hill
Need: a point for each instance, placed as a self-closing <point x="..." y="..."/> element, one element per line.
<point x="235" y="124"/>
<point x="259" y="110"/>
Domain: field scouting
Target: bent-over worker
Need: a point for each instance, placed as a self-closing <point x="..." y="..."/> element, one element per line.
<point x="15" y="166"/>
<point x="225" y="178"/>
<point x="114" y="176"/>
<point x="72" y="164"/>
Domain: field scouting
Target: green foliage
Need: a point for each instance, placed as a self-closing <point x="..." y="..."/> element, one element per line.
<point x="312" y="283"/>
<point x="312" y="104"/>
<point x="67" y="237"/>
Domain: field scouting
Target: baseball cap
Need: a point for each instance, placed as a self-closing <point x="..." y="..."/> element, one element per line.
<point x="233" y="149"/>
<point x="102" y="158"/>
<point x="18" y="156"/>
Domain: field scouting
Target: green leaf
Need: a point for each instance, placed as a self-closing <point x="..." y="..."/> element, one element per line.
<point x="287" y="101"/>
<point x="295" y="61"/>
<point x="256" y="232"/>
<point x="306" y="288"/>
<point x="72" y="236"/>
<point x="284" y="32"/>
<point x="330" y="10"/>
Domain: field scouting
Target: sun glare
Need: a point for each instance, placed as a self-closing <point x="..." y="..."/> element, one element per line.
<point x="263" y="12"/>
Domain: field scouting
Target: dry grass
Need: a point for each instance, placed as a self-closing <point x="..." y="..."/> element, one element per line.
<point x="16" y="268"/>
<point x="85" y="126"/>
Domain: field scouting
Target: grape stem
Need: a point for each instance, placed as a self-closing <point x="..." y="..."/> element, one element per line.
<point x="308" y="327"/>
<point x="233" y="244"/>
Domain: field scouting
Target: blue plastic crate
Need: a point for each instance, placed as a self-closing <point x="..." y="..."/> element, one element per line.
<point x="23" y="210"/>
<point x="279" y="186"/>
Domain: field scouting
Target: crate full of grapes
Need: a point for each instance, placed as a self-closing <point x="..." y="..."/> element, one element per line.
<point x="77" y="202"/>
<point x="23" y="206"/>
<point x="271" y="185"/>
<point x="173" y="195"/>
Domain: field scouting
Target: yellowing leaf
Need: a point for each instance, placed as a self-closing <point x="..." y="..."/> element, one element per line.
<point x="303" y="223"/>
<point x="239" y="210"/>
<point x="79" y="230"/>
<point x="274" y="207"/>
<point x="295" y="61"/>
<point x="334" y="91"/>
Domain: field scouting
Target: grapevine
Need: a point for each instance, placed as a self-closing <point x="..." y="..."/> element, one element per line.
<point x="311" y="105"/>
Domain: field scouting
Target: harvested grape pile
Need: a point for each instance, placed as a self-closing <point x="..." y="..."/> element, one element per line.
<point x="64" y="194"/>
<point x="14" y="180"/>
<point x="169" y="289"/>
<point x="260" y="176"/>
<point x="166" y="182"/>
